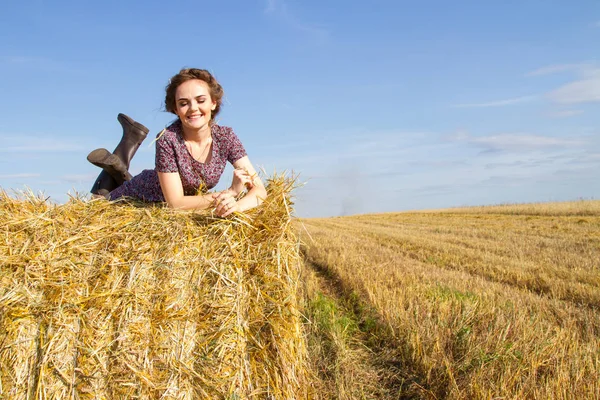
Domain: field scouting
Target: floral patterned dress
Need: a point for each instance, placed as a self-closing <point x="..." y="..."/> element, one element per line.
<point x="173" y="156"/>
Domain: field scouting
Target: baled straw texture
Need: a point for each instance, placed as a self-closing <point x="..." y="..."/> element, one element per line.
<point x="107" y="301"/>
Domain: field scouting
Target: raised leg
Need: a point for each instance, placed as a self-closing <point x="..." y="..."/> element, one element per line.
<point x="134" y="134"/>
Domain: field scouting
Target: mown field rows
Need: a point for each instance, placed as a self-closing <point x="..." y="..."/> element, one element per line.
<point x="488" y="302"/>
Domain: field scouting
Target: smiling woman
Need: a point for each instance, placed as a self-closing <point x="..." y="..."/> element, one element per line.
<point x="191" y="154"/>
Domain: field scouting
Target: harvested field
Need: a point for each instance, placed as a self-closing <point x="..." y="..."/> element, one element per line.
<point x="116" y="301"/>
<point x="101" y="300"/>
<point x="474" y="303"/>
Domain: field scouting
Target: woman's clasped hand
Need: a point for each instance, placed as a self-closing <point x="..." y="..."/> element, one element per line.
<point x="225" y="202"/>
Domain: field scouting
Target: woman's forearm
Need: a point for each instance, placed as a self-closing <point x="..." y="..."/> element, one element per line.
<point x="253" y="198"/>
<point x="200" y="202"/>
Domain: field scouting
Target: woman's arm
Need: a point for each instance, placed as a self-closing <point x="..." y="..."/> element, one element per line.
<point x="172" y="188"/>
<point x="257" y="193"/>
<point x="225" y="202"/>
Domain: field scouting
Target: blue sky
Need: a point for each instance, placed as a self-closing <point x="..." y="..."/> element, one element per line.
<point x="379" y="106"/>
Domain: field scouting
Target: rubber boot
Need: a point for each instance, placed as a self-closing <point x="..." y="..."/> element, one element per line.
<point x="134" y="134"/>
<point x="110" y="163"/>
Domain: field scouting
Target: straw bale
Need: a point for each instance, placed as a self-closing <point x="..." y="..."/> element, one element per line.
<point x="109" y="300"/>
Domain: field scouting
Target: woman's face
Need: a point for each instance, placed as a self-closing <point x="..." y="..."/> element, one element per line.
<point x="193" y="104"/>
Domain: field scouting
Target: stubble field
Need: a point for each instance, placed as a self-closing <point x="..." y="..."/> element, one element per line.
<point x="495" y="302"/>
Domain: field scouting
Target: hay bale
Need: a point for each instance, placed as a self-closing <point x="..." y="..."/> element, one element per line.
<point x="103" y="300"/>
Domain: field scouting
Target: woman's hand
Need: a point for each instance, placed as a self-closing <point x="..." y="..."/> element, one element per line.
<point x="241" y="180"/>
<point x="225" y="203"/>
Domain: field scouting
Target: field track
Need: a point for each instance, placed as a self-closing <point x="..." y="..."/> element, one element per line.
<point x="487" y="302"/>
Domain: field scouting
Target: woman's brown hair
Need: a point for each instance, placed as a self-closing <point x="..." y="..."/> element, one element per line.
<point x="187" y="74"/>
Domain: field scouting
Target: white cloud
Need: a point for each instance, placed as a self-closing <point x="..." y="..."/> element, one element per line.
<point x="36" y="144"/>
<point x="271" y="6"/>
<point x="435" y="173"/>
<point x="279" y="10"/>
<point x="422" y="170"/>
<point x="516" y="142"/>
<point x="40" y="148"/>
<point x="586" y="89"/>
<point x="499" y="103"/>
<point x="19" y="176"/>
<point x="565" y="113"/>
<point x="554" y="69"/>
<point x="49" y="182"/>
<point x="351" y="146"/>
<point x="78" y="178"/>
<point x="37" y="62"/>
<point x="581" y="91"/>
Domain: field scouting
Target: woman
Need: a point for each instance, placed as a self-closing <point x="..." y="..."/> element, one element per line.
<point x="191" y="154"/>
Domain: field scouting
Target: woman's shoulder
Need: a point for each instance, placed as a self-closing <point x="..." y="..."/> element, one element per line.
<point x="221" y="130"/>
<point x="170" y="133"/>
<point x="230" y="145"/>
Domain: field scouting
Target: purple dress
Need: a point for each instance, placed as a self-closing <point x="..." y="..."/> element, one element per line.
<point x="173" y="156"/>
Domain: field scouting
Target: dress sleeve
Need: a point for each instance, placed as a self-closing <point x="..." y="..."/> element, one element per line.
<point x="235" y="148"/>
<point x="165" y="155"/>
